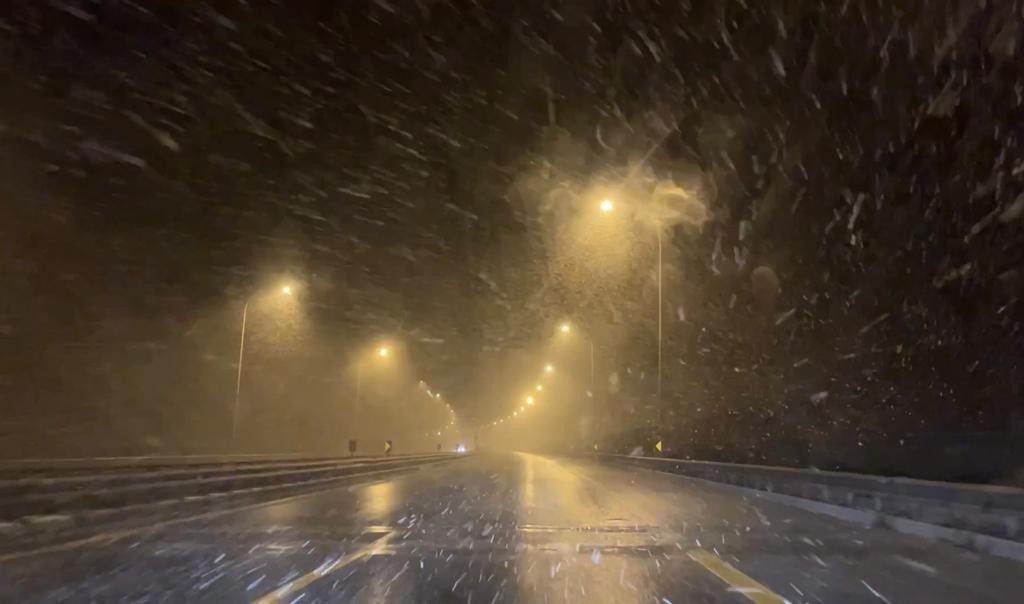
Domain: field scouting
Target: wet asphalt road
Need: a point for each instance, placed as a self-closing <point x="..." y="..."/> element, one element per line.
<point x="514" y="528"/>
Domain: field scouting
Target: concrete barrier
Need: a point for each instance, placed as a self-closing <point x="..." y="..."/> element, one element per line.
<point x="982" y="517"/>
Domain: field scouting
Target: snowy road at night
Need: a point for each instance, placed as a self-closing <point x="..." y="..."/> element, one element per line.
<point x="514" y="528"/>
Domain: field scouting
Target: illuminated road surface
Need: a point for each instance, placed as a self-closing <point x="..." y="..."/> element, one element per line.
<point x="515" y="528"/>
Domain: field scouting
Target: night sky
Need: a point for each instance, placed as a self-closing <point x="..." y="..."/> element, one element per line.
<point x="846" y="271"/>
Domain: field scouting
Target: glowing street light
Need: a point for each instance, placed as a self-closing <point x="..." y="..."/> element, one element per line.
<point x="549" y="368"/>
<point x="529" y="400"/>
<point x="539" y="387"/>
<point x="383" y="352"/>
<point x="286" y="290"/>
<point x="606" y="207"/>
<point x="566" y="327"/>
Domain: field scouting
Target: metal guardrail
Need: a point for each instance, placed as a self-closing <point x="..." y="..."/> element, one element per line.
<point x="47" y="508"/>
<point x="56" y="491"/>
<point x="104" y="477"/>
<point x="51" y="465"/>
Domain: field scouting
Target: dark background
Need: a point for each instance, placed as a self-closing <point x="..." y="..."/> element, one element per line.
<point x="852" y="299"/>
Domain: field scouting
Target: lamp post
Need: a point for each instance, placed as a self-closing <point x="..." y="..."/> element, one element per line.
<point x="287" y="291"/>
<point x="566" y="328"/>
<point x="383" y="352"/>
<point x="238" y="380"/>
<point x="607" y="206"/>
<point x="660" y="311"/>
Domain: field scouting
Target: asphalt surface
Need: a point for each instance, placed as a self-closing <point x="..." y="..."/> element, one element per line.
<point x="513" y="528"/>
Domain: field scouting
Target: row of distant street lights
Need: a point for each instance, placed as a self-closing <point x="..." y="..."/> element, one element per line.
<point x="605" y="206"/>
<point x="451" y="412"/>
<point x="380" y="352"/>
<point x="530" y="399"/>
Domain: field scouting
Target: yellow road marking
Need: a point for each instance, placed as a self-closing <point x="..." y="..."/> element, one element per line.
<point x="751" y="589"/>
<point x="281" y="593"/>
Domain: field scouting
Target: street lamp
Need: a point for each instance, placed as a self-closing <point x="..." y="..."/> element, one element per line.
<point x="606" y="207"/>
<point x="383" y="352"/>
<point x="658" y="229"/>
<point x="539" y="387"/>
<point x="286" y="290"/>
<point x="566" y="327"/>
<point x="549" y="368"/>
<point x="529" y="400"/>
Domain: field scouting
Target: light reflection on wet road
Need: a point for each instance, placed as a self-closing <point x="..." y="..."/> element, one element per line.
<point x="515" y="528"/>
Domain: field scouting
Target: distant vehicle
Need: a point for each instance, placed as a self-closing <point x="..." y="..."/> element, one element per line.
<point x="460" y="448"/>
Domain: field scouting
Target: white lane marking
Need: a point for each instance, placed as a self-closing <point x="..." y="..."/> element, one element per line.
<point x="296" y="585"/>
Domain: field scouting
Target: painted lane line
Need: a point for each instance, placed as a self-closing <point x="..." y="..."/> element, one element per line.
<point x="738" y="582"/>
<point x="282" y="593"/>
